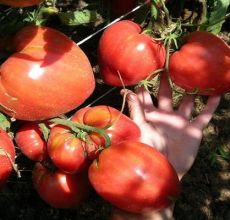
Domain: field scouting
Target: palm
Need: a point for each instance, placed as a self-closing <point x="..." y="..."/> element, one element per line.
<point x="171" y="132"/>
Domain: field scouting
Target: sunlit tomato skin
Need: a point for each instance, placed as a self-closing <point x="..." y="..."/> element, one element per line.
<point x="48" y="75"/>
<point x="123" y="50"/>
<point x="20" y="3"/>
<point x="203" y="63"/>
<point x="72" y="154"/>
<point x="7" y="156"/>
<point x="66" y="150"/>
<point x="134" y="177"/>
<point x="118" y="126"/>
<point x="60" y="190"/>
<point x="30" y="140"/>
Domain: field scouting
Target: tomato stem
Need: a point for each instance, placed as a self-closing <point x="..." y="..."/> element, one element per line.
<point x="45" y="130"/>
<point x="77" y="127"/>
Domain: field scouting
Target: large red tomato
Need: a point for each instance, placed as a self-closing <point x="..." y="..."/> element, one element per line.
<point x="47" y="75"/>
<point x="71" y="154"/>
<point x="134" y="177"/>
<point x="60" y="190"/>
<point x="202" y="63"/>
<point x="7" y="156"/>
<point x="118" y="126"/>
<point x="124" y="50"/>
<point x="20" y="3"/>
<point x="30" y="140"/>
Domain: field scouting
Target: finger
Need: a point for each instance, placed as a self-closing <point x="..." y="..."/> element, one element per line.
<point x="202" y="120"/>
<point x="136" y="110"/>
<point x="186" y="107"/>
<point x="145" y="99"/>
<point x="165" y="94"/>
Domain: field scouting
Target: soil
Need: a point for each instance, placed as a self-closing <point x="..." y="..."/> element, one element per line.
<point x="205" y="188"/>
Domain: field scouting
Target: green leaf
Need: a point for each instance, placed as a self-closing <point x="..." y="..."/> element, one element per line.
<point x="154" y="9"/>
<point x="224" y="154"/>
<point x="217" y="15"/>
<point x="76" y="18"/>
<point x="4" y="122"/>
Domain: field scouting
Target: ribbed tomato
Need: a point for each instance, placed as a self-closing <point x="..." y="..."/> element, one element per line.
<point x="202" y="64"/>
<point x="72" y="154"/>
<point x="125" y="52"/>
<point x="30" y="140"/>
<point x="134" y="177"/>
<point x="60" y="190"/>
<point x="48" y="75"/>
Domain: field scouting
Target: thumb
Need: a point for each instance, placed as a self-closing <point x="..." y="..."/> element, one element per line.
<point x="135" y="107"/>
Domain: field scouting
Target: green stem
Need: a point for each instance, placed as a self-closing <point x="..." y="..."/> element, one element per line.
<point x="45" y="130"/>
<point x="77" y="127"/>
<point x="166" y="12"/>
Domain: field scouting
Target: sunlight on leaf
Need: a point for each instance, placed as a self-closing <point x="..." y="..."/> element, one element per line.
<point x="78" y="17"/>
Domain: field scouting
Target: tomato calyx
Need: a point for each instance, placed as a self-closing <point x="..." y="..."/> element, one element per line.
<point x="149" y="82"/>
<point x="82" y="131"/>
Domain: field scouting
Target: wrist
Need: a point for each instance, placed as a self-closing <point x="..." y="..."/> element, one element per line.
<point x="163" y="214"/>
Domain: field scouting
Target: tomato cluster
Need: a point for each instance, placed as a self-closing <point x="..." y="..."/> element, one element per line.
<point x="47" y="76"/>
<point x="71" y="151"/>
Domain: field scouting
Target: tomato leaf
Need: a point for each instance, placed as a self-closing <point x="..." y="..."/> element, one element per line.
<point x="216" y="16"/>
<point x="4" y="122"/>
<point x="154" y="9"/>
<point x="76" y="18"/>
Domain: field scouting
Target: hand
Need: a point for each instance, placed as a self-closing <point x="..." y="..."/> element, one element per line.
<point x="173" y="132"/>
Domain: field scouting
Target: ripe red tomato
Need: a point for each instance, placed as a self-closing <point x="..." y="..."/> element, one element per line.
<point x="30" y="140"/>
<point x="66" y="150"/>
<point x="124" y="50"/>
<point x="60" y="190"/>
<point x="203" y="62"/>
<point x="71" y="154"/>
<point x="7" y="156"/>
<point x="134" y="177"/>
<point x="20" y="3"/>
<point x="47" y="76"/>
<point x="122" y="127"/>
